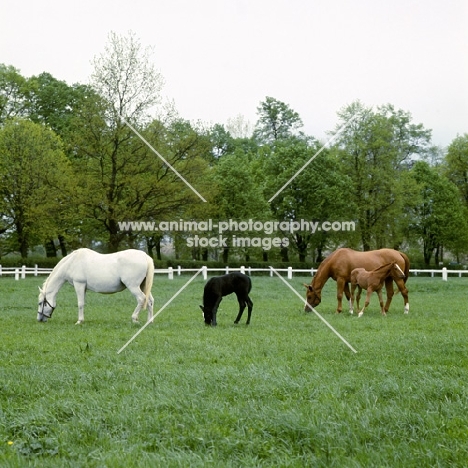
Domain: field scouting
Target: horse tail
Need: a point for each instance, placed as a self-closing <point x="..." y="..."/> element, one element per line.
<point x="407" y="265"/>
<point x="148" y="280"/>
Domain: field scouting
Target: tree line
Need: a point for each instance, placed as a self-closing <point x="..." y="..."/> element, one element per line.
<point x="77" y="160"/>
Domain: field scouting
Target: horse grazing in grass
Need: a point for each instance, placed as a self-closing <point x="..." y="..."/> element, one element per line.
<point x="342" y="262"/>
<point x="218" y="287"/>
<point x="373" y="281"/>
<point x="103" y="273"/>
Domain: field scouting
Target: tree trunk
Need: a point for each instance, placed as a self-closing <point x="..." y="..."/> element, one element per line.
<point x="63" y="245"/>
<point x="50" y="249"/>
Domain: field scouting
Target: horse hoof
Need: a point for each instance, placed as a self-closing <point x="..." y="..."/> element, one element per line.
<point x="360" y="314"/>
<point x="79" y="322"/>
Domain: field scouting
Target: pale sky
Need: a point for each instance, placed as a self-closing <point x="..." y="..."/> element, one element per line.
<point x="221" y="58"/>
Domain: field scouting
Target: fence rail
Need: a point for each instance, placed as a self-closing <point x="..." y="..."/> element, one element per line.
<point x="22" y="272"/>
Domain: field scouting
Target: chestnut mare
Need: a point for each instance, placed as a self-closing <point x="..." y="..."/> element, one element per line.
<point x="342" y="262"/>
<point x="373" y="281"/>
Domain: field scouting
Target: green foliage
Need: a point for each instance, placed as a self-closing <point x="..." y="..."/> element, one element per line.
<point x="376" y="151"/>
<point x="112" y="175"/>
<point x="35" y="182"/>
<point x="284" y="391"/>
<point x="456" y="164"/>
<point x="438" y="218"/>
<point x="277" y="121"/>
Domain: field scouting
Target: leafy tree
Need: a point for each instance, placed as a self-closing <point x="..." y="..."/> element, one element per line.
<point x="35" y="183"/>
<point x="439" y="219"/>
<point x="456" y="164"/>
<point x="238" y="195"/>
<point x="377" y="148"/>
<point x="14" y="90"/>
<point x="54" y="102"/>
<point x="276" y="121"/>
<point x="120" y="176"/>
<point x="126" y="79"/>
<point x="316" y="194"/>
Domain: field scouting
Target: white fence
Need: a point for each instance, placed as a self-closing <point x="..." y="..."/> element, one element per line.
<point x="21" y="272"/>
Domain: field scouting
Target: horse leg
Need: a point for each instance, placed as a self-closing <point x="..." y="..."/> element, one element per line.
<point x="358" y="295"/>
<point x="140" y="297"/>
<point x="249" y="309"/>
<point x="150" y="304"/>
<point x="368" y="295"/>
<point x="242" y="305"/>
<point x="215" y="311"/>
<point x="389" y="289"/>
<point x="351" y="300"/>
<point x="404" y="292"/>
<point x="80" y="289"/>
<point x="340" y="287"/>
<point x="382" y="310"/>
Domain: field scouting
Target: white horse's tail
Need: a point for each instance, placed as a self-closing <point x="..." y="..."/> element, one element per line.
<point x="149" y="280"/>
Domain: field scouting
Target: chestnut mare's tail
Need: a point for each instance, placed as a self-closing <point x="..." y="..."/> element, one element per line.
<point x="405" y="270"/>
<point x="407" y="265"/>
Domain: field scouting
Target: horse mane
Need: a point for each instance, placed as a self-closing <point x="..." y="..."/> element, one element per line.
<point x="57" y="268"/>
<point x="322" y="270"/>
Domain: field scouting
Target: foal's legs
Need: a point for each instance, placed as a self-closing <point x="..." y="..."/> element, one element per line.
<point x="368" y="295"/>
<point x="351" y="299"/>
<point x="382" y="309"/>
<point x="242" y="303"/>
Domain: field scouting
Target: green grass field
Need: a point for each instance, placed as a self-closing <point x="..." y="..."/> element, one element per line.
<point x="282" y="392"/>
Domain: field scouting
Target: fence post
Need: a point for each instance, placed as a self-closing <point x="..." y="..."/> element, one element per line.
<point x="179" y="270"/>
<point x="170" y="273"/>
<point x="227" y="269"/>
<point x="17" y="274"/>
<point x="205" y="272"/>
<point x="0" y="270"/>
<point x="23" y="272"/>
<point x="35" y="269"/>
<point x="444" y="274"/>
<point x="242" y="269"/>
<point x="289" y="272"/>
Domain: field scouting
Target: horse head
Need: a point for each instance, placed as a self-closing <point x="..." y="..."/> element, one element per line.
<point x="313" y="297"/>
<point x="207" y="314"/>
<point x="45" y="309"/>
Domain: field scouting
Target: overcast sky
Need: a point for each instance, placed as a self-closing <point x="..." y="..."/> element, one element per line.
<point x="221" y="58"/>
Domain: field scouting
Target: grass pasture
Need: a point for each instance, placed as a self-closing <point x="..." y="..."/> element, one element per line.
<point x="282" y="392"/>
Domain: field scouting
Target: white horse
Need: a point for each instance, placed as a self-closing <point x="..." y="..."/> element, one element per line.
<point x="103" y="273"/>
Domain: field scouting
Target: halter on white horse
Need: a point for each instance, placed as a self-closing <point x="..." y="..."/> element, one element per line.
<point x="104" y="273"/>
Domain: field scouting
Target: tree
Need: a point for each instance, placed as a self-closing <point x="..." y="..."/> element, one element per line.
<point x="126" y="79"/>
<point x="238" y="195"/>
<point x="119" y="174"/>
<point x="317" y="194"/>
<point x="439" y="218"/>
<point x="14" y="90"/>
<point x="35" y="182"/>
<point x="456" y="164"/>
<point x="376" y="151"/>
<point x="276" y="121"/>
